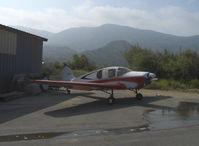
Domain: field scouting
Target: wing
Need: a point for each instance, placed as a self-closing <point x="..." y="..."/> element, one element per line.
<point x="82" y="85"/>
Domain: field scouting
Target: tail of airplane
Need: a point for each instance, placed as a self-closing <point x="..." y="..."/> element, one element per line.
<point x="66" y="74"/>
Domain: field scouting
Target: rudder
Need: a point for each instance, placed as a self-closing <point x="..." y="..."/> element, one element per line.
<point x="66" y="74"/>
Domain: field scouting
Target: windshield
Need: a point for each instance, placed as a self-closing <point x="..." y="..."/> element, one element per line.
<point x="121" y="71"/>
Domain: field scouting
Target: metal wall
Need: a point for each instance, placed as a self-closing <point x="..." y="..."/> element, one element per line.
<point x="8" y="41"/>
<point x="7" y="69"/>
<point x="29" y="55"/>
<point x="19" y="54"/>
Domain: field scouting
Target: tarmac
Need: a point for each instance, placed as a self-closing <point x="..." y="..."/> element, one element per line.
<point x="85" y="118"/>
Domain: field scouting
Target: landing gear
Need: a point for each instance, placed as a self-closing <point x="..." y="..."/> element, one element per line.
<point x="111" y="99"/>
<point x="68" y="91"/>
<point x="139" y="96"/>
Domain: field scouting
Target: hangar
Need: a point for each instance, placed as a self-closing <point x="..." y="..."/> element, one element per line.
<point x="20" y="53"/>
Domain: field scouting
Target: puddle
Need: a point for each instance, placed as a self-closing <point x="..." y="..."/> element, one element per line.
<point x="19" y="137"/>
<point x="186" y="114"/>
<point x="36" y="136"/>
<point x="83" y="133"/>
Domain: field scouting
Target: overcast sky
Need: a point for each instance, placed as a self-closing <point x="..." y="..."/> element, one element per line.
<point x="179" y="17"/>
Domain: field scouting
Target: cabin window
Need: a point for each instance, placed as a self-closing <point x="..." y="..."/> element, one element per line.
<point x="122" y="71"/>
<point x="99" y="74"/>
<point x="111" y="73"/>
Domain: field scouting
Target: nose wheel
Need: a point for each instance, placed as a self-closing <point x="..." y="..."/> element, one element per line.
<point x="139" y="96"/>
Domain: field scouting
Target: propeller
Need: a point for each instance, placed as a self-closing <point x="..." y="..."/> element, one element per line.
<point x="149" y="77"/>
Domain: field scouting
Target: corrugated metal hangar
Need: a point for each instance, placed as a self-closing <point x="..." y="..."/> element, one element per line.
<point x="20" y="53"/>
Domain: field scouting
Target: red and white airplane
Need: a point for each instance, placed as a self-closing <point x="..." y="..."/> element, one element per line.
<point x="104" y="79"/>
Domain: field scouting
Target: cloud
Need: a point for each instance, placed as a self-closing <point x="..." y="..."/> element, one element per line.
<point x="178" y="21"/>
<point x="48" y="19"/>
<point x="172" y="20"/>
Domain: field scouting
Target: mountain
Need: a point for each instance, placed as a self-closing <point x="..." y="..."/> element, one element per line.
<point x="110" y="55"/>
<point x="91" y="38"/>
<point x="104" y="45"/>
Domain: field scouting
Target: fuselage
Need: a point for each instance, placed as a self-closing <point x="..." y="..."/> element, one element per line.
<point x="127" y="78"/>
<point x="102" y="79"/>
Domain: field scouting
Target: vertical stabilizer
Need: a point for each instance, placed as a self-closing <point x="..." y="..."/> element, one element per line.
<point x="66" y="74"/>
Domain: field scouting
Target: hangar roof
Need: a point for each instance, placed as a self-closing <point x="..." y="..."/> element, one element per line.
<point x="22" y="32"/>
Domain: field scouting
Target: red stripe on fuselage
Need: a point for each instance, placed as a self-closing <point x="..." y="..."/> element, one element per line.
<point x="139" y="80"/>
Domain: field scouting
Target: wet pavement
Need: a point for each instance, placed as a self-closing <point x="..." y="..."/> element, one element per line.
<point x="73" y="134"/>
<point x="186" y="114"/>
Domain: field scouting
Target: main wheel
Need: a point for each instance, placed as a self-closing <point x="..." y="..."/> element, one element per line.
<point x="111" y="100"/>
<point x="139" y="96"/>
<point x="68" y="91"/>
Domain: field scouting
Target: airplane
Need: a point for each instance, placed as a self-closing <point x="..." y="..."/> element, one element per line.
<point x="105" y="79"/>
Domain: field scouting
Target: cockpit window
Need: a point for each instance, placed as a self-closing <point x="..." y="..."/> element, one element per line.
<point x="90" y="76"/>
<point x="99" y="74"/>
<point x="122" y="71"/>
<point x="111" y="73"/>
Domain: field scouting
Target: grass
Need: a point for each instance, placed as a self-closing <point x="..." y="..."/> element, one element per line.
<point x="164" y="84"/>
<point x="194" y="83"/>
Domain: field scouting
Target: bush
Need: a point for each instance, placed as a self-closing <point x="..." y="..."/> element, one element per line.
<point x="181" y="66"/>
<point x="194" y="83"/>
<point x="80" y="62"/>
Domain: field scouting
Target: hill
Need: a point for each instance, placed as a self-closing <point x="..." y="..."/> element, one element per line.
<point x="91" y="38"/>
<point x="98" y="42"/>
<point x="109" y="55"/>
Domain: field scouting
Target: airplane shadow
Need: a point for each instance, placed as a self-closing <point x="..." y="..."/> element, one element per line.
<point x="23" y="106"/>
<point x="101" y="105"/>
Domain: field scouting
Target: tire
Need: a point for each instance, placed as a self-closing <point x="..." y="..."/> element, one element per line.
<point x="111" y="100"/>
<point x="139" y="96"/>
<point x="68" y="92"/>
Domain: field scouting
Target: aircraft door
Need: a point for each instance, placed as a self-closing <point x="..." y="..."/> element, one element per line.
<point x="106" y="74"/>
<point x="111" y="73"/>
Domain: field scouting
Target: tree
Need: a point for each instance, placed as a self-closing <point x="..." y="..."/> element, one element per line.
<point x="80" y="62"/>
<point x="187" y="65"/>
<point x="183" y="66"/>
<point x="142" y="59"/>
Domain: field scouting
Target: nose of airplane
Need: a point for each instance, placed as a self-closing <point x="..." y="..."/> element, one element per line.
<point x="152" y="75"/>
<point x="149" y="77"/>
